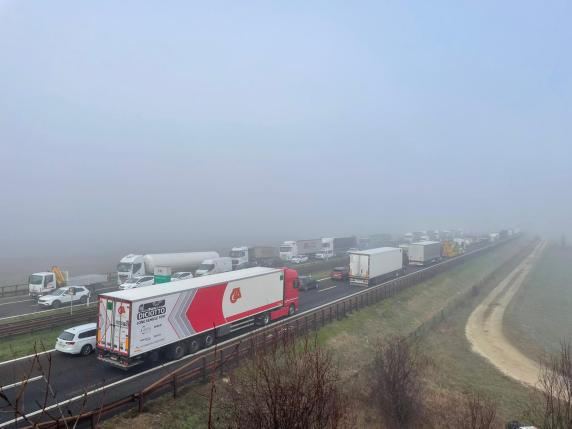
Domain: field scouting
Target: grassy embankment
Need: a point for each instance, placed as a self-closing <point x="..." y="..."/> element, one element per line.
<point x="352" y="341"/>
<point x="539" y="315"/>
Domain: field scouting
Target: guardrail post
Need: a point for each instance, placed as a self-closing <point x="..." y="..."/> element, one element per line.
<point x="174" y="386"/>
<point x="204" y="368"/>
<point x="221" y="361"/>
<point x="140" y="405"/>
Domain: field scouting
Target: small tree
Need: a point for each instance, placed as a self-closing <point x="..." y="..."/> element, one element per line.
<point x="551" y="406"/>
<point x="396" y="374"/>
<point x="291" y="385"/>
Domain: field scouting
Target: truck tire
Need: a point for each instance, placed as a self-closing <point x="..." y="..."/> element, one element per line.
<point x="56" y="304"/>
<point x="176" y="351"/>
<point x="264" y="319"/>
<point x="291" y="310"/>
<point x="209" y="340"/>
<point x="194" y="345"/>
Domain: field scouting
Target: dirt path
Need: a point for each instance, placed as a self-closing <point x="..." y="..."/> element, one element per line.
<point x="484" y="327"/>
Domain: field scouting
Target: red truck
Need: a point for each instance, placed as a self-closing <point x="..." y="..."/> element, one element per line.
<point x="174" y="319"/>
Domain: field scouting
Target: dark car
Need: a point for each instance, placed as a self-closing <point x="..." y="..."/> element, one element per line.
<point x="307" y="282"/>
<point x="340" y="273"/>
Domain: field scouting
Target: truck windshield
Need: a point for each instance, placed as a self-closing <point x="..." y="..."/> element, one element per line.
<point x="206" y="267"/>
<point x="237" y="253"/>
<point x="36" y="280"/>
<point x="124" y="267"/>
<point x="285" y="249"/>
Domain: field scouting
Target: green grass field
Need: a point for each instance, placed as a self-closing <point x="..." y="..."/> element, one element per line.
<point x="540" y="314"/>
<point x="27" y="344"/>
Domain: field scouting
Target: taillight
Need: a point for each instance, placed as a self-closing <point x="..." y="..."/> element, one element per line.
<point x="70" y="343"/>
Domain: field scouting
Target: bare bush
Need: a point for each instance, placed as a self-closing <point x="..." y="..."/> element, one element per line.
<point x="453" y="411"/>
<point x="551" y="406"/>
<point x="396" y="374"/>
<point x="290" y="385"/>
<point x="478" y="412"/>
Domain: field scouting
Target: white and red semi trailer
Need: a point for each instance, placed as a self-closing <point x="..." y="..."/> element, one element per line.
<point x="174" y="319"/>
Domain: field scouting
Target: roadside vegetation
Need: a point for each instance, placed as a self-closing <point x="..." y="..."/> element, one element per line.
<point x="370" y="349"/>
<point x="546" y="291"/>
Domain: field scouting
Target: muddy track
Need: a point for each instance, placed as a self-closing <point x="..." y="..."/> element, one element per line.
<point x="484" y="329"/>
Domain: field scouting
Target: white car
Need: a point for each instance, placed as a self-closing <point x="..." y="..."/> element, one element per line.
<point x="181" y="275"/>
<point x="79" y="340"/>
<point x="65" y="295"/>
<point x="299" y="259"/>
<point x="135" y="282"/>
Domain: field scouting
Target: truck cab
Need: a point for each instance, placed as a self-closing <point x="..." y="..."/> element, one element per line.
<point x="288" y="250"/>
<point x="42" y="283"/>
<point x="239" y="256"/>
<point x="130" y="266"/>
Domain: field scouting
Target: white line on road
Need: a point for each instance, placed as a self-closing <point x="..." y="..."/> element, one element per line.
<point x="321" y="280"/>
<point x="26" y="357"/>
<point x="17" y="302"/>
<point x="328" y="288"/>
<point x="19" y="383"/>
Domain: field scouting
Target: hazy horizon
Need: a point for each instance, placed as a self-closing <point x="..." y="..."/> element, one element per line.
<point x="137" y="127"/>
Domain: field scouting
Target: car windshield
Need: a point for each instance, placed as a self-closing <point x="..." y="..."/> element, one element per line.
<point x="59" y="292"/>
<point x="36" y="280"/>
<point x="285" y="248"/>
<point x="237" y="253"/>
<point x="124" y="267"/>
<point x="339" y="269"/>
<point x="206" y="267"/>
<point x="131" y="280"/>
<point x="66" y="336"/>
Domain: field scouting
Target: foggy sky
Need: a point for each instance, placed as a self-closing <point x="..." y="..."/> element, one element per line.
<point x="139" y="127"/>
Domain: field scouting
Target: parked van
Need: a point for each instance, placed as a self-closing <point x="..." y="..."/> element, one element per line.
<point x="214" y="266"/>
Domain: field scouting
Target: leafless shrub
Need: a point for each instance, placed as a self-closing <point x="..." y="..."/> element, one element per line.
<point x="398" y="387"/>
<point x="290" y="385"/>
<point x="551" y="405"/>
<point x="468" y="411"/>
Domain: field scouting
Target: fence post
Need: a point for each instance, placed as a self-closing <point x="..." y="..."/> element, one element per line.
<point x="204" y="368"/>
<point x="221" y="361"/>
<point x="140" y="407"/>
<point x="174" y="386"/>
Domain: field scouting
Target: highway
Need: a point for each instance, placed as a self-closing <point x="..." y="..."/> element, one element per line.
<point x="71" y="376"/>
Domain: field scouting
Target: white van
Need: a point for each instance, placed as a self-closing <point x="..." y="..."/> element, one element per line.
<point x="214" y="266"/>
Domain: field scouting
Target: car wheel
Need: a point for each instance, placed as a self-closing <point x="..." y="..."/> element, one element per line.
<point x="83" y="299"/>
<point x="56" y="304"/>
<point x="291" y="310"/>
<point x="86" y="350"/>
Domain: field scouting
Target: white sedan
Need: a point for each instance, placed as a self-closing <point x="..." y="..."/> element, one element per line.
<point x="79" y="340"/>
<point x="135" y="282"/>
<point x="64" y="295"/>
<point x="299" y="259"/>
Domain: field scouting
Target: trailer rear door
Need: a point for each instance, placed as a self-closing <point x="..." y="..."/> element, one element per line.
<point x="359" y="265"/>
<point x="113" y="327"/>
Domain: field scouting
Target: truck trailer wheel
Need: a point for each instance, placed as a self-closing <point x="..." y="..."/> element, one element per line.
<point x="176" y="351"/>
<point x="264" y="319"/>
<point x="209" y="340"/>
<point x="194" y="345"/>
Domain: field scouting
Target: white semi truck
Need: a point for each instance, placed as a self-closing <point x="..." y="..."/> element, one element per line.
<point x="290" y="249"/>
<point x="336" y="246"/>
<point x="370" y="267"/>
<point x="140" y="265"/>
<point x="245" y="257"/>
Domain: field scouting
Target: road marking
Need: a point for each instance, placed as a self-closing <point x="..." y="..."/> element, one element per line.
<point x="321" y="280"/>
<point x="26" y="357"/>
<point x="328" y="288"/>
<point x="19" y="383"/>
<point x="17" y="302"/>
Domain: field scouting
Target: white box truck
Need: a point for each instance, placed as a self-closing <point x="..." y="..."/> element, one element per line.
<point x="140" y="265"/>
<point x="214" y="266"/>
<point x="174" y="319"/>
<point x="424" y="252"/>
<point x="247" y="257"/>
<point x="370" y="267"/>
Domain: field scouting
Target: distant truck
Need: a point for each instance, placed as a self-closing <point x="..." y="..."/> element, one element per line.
<point x="290" y="249"/>
<point x="46" y="282"/>
<point x="370" y="267"/>
<point x="336" y="246"/>
<point x="140" y="265"/>
<point x="246" y="257"/>
<point x="142" y="324"/>
<point x="424" y="252"/>
<point x="214" y="266"/>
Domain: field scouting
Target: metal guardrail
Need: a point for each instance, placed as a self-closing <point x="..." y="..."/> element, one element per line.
<point x="232" y="351"/>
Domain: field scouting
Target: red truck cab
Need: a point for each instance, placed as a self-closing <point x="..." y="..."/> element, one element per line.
<point x="291" y="295"/>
